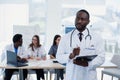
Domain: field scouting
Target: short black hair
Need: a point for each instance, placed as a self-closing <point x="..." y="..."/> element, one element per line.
<point x="83" y="10"/>
<point x="17" y="37"/>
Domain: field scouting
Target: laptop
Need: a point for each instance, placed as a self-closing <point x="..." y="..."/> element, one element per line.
<point x="12" y="60"/>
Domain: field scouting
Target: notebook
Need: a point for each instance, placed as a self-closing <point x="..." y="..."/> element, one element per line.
<point x="12" y="60"/>
<point x="88" y="58"/>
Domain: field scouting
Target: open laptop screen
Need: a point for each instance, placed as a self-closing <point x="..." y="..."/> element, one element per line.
<point x="11" y="58"/>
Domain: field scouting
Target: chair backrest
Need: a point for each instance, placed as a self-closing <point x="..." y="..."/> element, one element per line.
<point x="116" y="60"/>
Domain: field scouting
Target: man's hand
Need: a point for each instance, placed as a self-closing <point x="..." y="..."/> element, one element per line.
<point x="83" y="62"/>
<point x="18" y="58"/>
<point x="24" y="60"/>
<point x="75" y="52"/>
<point x="52" y="57"/>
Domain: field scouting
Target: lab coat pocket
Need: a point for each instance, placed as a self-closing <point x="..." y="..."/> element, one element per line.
<point x="90" y="51"/>
<point x="92" y="74"/>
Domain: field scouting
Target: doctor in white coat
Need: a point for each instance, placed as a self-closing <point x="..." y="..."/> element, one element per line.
<point x="16" y="47"/>
<point x="71" y="46"/>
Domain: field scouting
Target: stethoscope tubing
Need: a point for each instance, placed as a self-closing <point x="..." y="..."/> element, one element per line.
<point x="88" y="35"/>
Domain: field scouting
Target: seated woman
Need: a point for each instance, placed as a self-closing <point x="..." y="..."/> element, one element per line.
<point x="37" y="51"/>
<point x="52" y="52"/>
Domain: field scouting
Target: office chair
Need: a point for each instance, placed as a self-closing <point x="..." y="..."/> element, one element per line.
<point x="53" y="71"/>
<point x="114" y="72"/>
<point x="33" y="72"/>
<point x="17" y="74"/>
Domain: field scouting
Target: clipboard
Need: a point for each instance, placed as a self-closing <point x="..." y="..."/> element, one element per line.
<point x="88" y="58"/>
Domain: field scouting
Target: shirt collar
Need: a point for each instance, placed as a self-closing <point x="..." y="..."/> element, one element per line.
<point x="84" y="32"/>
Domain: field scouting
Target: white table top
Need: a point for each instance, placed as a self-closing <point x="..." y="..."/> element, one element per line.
<point x="40" y="64"/>
<point x="108" y="64"/>
<point x="48" y="64"/>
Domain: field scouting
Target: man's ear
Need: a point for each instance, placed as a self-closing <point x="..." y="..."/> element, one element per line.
<point x="88" y="21"/>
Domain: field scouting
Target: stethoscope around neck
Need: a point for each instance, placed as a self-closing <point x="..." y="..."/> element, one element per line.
<point x="88" y="35"/>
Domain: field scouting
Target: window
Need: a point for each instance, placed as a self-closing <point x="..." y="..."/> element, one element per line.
<point x="104" y="19"/>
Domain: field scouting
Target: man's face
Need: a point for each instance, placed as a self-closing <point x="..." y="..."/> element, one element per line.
<point x="20" y="42"/>
<point x="81" y="21"/>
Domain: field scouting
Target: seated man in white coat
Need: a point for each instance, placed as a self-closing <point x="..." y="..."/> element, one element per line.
<point x="81" y="42"/>
<point x="19" y="50"/>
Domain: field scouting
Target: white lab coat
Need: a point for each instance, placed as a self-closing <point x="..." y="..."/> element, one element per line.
<point x="96" y="46"/>
<point x="38" y="52"/>
<point x="21" y="52"/>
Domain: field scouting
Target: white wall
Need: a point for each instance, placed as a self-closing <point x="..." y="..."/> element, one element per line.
<point x="53" y="25"/>
<point x="12" y="14"/>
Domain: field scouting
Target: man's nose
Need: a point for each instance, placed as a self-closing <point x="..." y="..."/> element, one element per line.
<point x="79" y="21"/>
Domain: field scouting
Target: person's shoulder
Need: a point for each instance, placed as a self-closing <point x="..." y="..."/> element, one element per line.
<point x="54" y="46"/>
<point x="22" y="48"/>
<point x="67" y="34"/>
<point x="29" y="48"/>
<point x="42" y="47"/>
<point x="8" y="45"/>
<point x="96" y="35"/>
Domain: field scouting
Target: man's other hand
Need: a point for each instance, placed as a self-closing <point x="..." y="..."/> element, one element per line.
<point x="83" y="62"/>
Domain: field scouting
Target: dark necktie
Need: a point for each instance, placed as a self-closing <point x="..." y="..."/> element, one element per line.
<point x="80" y="37"/>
